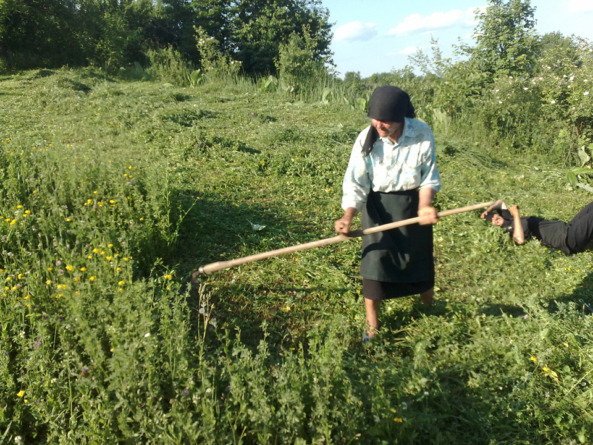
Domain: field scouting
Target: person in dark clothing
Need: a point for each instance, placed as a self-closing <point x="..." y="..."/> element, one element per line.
<point x="571" y="237"/>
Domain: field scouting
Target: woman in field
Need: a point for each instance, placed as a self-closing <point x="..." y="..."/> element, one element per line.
<point x="572" y="237"/>
<point x="392" y="175"/>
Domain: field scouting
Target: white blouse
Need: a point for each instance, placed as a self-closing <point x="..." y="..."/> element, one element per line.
<point x="390" y="167"/>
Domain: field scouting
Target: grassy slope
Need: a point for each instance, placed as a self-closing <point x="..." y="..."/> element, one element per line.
<point x="458" y="372"/>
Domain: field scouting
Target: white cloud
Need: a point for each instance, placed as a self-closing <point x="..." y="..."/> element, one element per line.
<point x="415" y="23"/>
<point x="580" y="5"/>
<point x="410" y="50"/>
<point x="355" y="31"/>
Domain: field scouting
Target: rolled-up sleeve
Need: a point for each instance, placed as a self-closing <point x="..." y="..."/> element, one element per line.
<point x="357" y="183"/>
<point x="429" y="173"/>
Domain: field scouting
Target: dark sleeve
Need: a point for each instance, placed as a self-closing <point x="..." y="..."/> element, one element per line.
<point x="524" y="223"/>
<point x="505" y="214"/>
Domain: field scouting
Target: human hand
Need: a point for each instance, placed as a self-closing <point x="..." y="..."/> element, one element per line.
<point x="484" y="215"/>
<point x="514" y="210"/>
<point x="428" y="216"/>
<point x="342" y="225"/>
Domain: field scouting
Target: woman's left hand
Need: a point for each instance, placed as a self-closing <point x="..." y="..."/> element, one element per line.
<point x="428" y="216"/>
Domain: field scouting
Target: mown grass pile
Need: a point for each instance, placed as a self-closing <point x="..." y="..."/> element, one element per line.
<point x="113" y="192"/>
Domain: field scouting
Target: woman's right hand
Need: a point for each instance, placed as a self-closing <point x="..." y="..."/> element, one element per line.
<point x="342" y="225"/>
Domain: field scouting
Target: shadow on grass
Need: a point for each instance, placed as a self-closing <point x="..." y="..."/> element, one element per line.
<point x="582" y="297"/>
<point x="219" y="230"/>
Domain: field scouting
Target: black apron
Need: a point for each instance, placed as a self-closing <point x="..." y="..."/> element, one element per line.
<point x="402" y="255"/>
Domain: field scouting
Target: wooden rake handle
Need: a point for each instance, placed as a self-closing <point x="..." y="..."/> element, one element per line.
<point x="214" y="267"/>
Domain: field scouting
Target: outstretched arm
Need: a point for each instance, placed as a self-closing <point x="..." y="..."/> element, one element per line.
<point x="498" y="205"/>
<point x="518" y="234"/>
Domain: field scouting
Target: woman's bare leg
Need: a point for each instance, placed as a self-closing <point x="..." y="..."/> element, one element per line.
<point x="427" y="297"/>
<point x="372" y="307"/>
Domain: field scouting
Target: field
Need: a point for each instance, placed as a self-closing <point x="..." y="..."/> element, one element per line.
<point x="114" y="191"/>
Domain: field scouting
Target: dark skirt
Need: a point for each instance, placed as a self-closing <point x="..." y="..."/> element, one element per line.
<point x="401" y="259"/>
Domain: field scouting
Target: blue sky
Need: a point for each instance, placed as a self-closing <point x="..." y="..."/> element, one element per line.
<point x="378" y="35"/>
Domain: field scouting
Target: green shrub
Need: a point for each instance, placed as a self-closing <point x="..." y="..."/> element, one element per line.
<point x="169" y="66"/>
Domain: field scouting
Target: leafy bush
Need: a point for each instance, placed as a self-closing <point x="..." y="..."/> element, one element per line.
<point x="167" y="65"/>
<point x="215" y="65"/>
<point x="297" y="67"/>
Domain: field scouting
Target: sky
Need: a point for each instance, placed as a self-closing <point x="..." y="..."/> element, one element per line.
<point x="377" y="36"/>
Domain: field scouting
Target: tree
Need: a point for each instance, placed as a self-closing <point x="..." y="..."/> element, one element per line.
<point x="39" y="33"/>
<point x="506" y="41"/>
<point x="259" y="27"/>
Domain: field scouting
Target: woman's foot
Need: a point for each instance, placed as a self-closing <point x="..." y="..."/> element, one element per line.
<point x="427" y="297"/>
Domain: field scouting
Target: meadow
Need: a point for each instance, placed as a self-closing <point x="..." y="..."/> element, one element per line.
<point x="114" y="191"/>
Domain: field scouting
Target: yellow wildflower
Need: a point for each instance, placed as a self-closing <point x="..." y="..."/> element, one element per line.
<point x="70" y="268"/>
<point x="83" y="269"/>
<point x="95" y="250"/>
<point x="168" y="277"/>
<point x="533" y="359"/>
<point x="121" y="283"/>
<point x="108" y="258"/>
<point x="21" y="393"/>
<point x="92" y="278"/>
<point x="48" y="282"/>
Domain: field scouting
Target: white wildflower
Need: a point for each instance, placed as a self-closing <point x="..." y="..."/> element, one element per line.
<point x="553" y="102"/>
<point x="147" y="335"/>
<point x="586" y="93"/>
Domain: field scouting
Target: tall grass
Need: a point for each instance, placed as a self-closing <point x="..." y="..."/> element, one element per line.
<point x="103" y="342"/>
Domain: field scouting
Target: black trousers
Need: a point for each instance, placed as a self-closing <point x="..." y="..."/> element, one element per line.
<point x="580" y="230"/>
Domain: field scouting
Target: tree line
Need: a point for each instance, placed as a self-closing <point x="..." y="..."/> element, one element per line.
<point x="115" y="33"/>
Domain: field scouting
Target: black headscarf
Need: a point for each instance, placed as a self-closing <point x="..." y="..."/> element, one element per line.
<point x="387" y="104"/>
<point x="506" y="215"/>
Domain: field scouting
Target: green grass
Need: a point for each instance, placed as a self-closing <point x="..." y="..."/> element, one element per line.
<point x="269" y="352"/>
